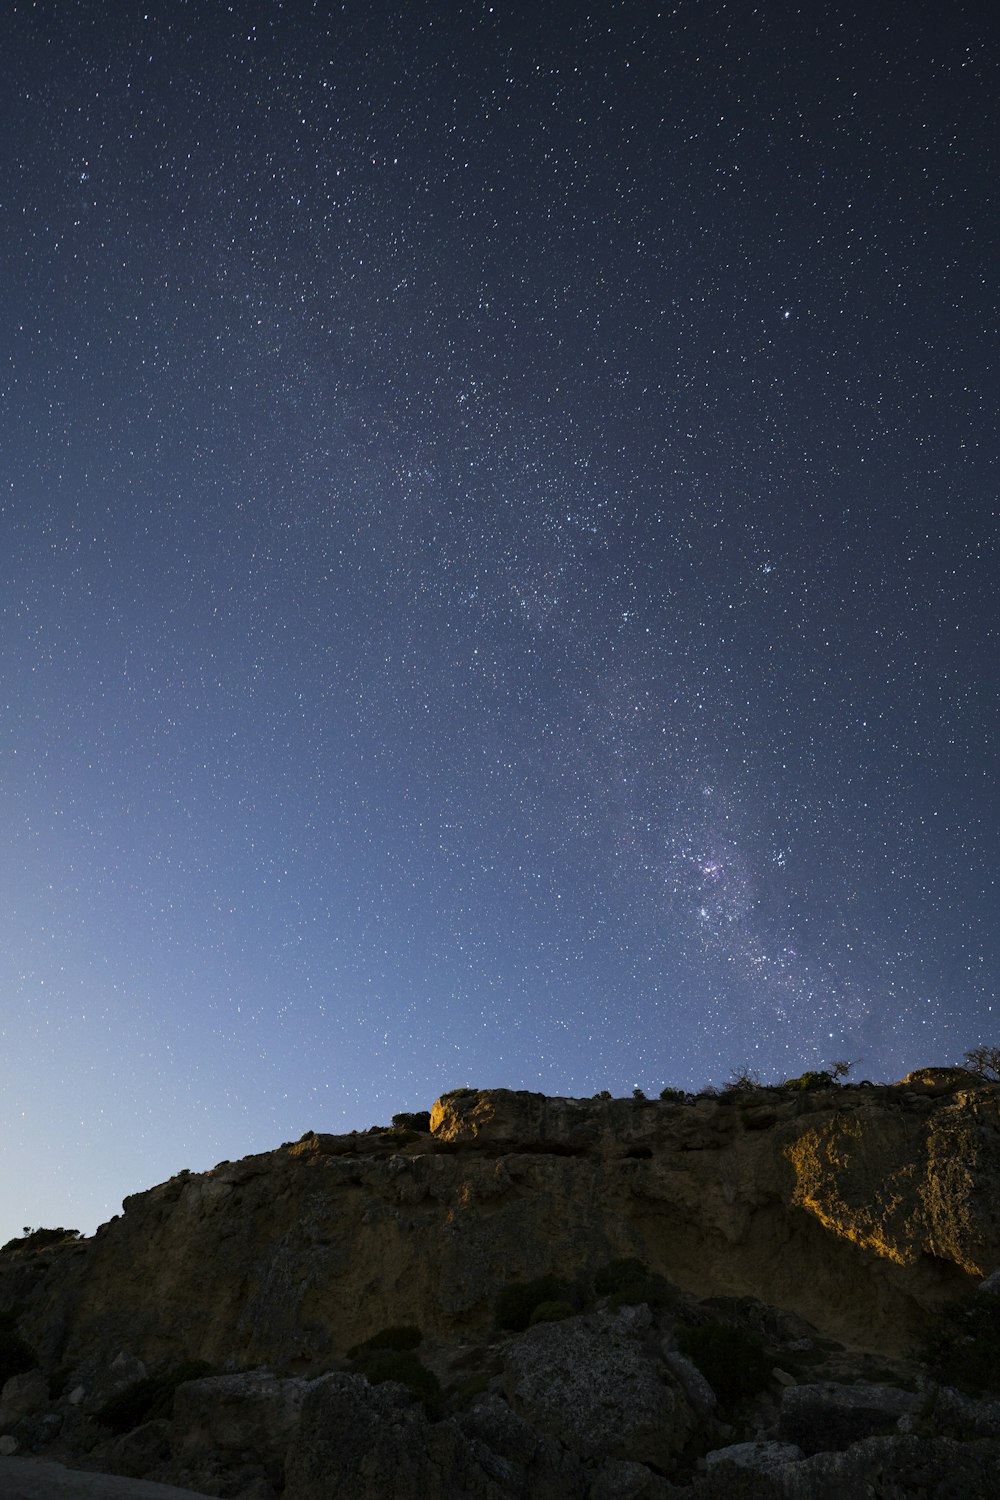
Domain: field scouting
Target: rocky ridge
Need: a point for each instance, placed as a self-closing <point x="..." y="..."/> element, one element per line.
<point x="822" y="1228"/>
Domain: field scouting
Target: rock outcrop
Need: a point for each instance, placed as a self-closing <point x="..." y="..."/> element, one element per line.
<point x="857" y="1208"/>
<point x="823" y="1224"/>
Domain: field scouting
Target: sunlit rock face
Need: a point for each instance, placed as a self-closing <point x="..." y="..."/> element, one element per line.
<point x="859" y="1208"/>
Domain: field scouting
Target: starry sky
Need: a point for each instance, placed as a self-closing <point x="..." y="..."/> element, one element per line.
<point x="498" y="516"/>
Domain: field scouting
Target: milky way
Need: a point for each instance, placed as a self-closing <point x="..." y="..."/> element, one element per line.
<point x="497" y="559"/>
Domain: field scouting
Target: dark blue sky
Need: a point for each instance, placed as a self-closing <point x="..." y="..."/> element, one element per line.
<point x="498" y="516"/>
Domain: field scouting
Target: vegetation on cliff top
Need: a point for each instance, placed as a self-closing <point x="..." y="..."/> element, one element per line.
<point x="38" y="1239"/>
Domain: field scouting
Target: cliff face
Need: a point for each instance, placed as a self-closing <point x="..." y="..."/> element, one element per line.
<point x="858" y="1208"/>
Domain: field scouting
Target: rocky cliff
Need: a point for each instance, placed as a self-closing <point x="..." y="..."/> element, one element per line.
<point x="858" y="1208"/>
<point x="833" y="1218"/>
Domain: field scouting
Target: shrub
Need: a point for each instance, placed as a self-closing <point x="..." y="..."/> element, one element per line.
<point x="841" y="1068"/>
<point x="673" y="1096"/>
<point x="150" y="1398"/>
<point x="462" y="1093"/>
<point x="960" y="1345"/>
<point x="985" y="1061"/>
<point x="742" y="1081"/>
<point x="406" y="1368"/>
<point x="517" y="1302"/>
<point x="733" y="1362"/>
<point x="37" y="1239"/>
<point x="808" y="1082"/>
<point x="406" y="1336"/>
<point x="412" y="1120"/>
<point x="628" y="1282"/>
<point x="603" y="1094"/>
<point x="637" y="1093"/>
<point x="551" y="1312"/>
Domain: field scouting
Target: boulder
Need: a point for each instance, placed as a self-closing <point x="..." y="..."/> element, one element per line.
<point x="618" y="1479"/>
<point x="951" y="1413"/>
<point x="35" y="1433"/>
<point x="590" y="1383"/>
<point x="237" y="1422"/>
<point x="762" y="1457"/>
<point x="141" y="1451"/>
<point x="102" y="1380"/>
<point x="898" y="1468"/>
<point x="830" y="1416"/>
<point x="24" y="1395"/>
<point x="699" y="1394"/>
<point x="373" y="1441"/>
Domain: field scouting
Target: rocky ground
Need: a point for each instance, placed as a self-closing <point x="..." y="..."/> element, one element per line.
<point x="597" y="1404"/>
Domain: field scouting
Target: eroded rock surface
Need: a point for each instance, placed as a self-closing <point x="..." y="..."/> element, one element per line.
<point x="858" y="1208"/>
<point x="845" y="1214"/>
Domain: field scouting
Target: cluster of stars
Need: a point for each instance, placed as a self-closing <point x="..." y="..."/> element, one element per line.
<point x="498" y="532"/>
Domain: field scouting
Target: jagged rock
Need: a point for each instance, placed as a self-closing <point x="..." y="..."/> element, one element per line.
<point x="762" y="1457"/>
<point x="898" y="1468"/>
<point x="8" y="1445"/>
<point x="990" y="1285"/>
<point x="513" y="1453"/>
<point x="370" y="1442"/>
<point x="591" y="1383"/>
<point x="828" y="1416"/>
<point x="941" y="1080"/>
<point x="236" y="1422"/>
<point x="951" y="1413"/>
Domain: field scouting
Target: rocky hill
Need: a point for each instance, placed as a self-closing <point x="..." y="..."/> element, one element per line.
<point x="522" y="1298"/>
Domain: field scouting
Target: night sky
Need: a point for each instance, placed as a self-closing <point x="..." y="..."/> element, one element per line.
<point x="498" y="561"/>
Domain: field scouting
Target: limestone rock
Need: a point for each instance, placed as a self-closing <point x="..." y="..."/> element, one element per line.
<point x="591" y="1383"/>
<point x="898" y="1468"/>
<point x="618" y="1479"/>
<point x="237" y="1422"/>
<point x="24" y="1395"/>
<point x="953" y="1414"/>
<point x="828" y="1416"/>
<point x="370" y="1442"/>
<point x="762" y="1458"/>
<point x="35" y="1433"/>
<point x="699" y="1394"/>
<point x="851" y="1210"/>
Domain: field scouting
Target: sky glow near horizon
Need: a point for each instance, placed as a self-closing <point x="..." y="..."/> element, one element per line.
<point x="498" y="563"/>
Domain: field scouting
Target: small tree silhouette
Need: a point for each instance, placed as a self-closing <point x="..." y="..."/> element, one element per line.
<point x="742" y="1081"/>
<point x="841" y="1068"/>
<point x="985" y="1061"/>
